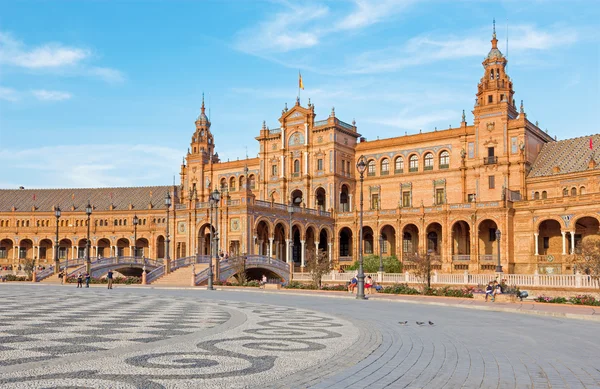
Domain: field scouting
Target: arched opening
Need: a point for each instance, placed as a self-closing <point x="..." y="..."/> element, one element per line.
<point x="344" y="199"/>
<point x="297" y="198"/>
<point x="367" y="240"/>
<point x="123" y="249"/>
<point x="223" y="184"/>
<point x="388" y="247"/>
<point x="296" y="246"/>
<point x="549" y="238"/>
<point x="25" y="249"/>
<point x="544" y="195"/>
<point x="320" y="198"/>
<point x="434" y="239"/>
<point x="310" y="239"/>
<point x="242" y="183"/>
<point x="585" y="226"/>
<point x="256" y="274"/>
<point x="232" y="184"/>
<point x="262" y="238"/>
<point x="428" y="159"/>
<point x="345" y="244"/>
<point x="297" y="166"/>
<point x="573" y="191"/>
<point x="399" y="165"/>
<point x="251" y="182"/>
<point x="6" y="250"/>
<point x="64" y="249"/>
<point x="536" y="196"/>
<point x="45" y="250"/>
<point x="204" y="239"/>
<point x="279" y="242"/>
<point x="323" y="241"/>
<point x="444" y="160"/>
<point x="487" y="238"/>
<point x="413" y="163"/>
<point x="160" y="247"/>
<point x="385" y="166"/>
<point x="461" y="241"/>
<point x="274" y="196"/>
<point x="410" y="241"/>
<point x="371" y="168"/>
<point x="103" y="248"/>
<point x="81" y="248"/>
<point x="141" y="248"/>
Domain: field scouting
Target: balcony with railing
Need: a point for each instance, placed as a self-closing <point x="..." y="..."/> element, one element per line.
<point x="461" y="258"/>
<point x="428" y="168"/>
<point x="413" y="169"/>
<point x="398" y="171"/>
<point x="490" y="160"/>
<point x="444" y="166"/>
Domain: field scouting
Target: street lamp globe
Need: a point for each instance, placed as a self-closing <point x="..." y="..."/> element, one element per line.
<point x="216" y="195"/>
<point x="57" y="212"/>
<point x="168" y="200"/>
<point x="361" y="165"/>
<point x="498" y="235"/>
<point x="136" y="220"/>
<point x="88" y="209"/>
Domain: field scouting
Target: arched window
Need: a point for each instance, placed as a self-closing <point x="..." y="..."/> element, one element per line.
<point x="223" y="184"/>
<point x="399" y="165"/>
<point x="124" y="222"/>
<point x="251" y="181"/>
<point x="232" y="184"/>
<point x="371" y="168"/>
<point x="536" y="196"/>
<point x="428" y="161"/>
<point x="565" y="192"/>
<point x="18" y="222"/>
<point x="582" y="190"/>
<point x="573" y="191"/>
<point x="385" y="166"/>
<point x="544" y="195"/>
<point x="413" y="162"/>
<point x="444" y="159"/>
<point x="297" y="166"/>
<point x="492" y="74"/>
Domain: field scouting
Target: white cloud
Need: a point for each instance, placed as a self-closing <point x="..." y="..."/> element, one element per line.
<point x="9" y="94"/>
<point x="426" y="49"/>
<point x="370" y="12"/>
<point x="50" y="55"/>
<point x="91" y="165"/>
<point x="108" y="74"/>
<point x="53" y="57"/>
<point x="51" y="95"/>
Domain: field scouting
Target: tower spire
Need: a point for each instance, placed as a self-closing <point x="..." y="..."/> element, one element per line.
<point x="202" y="108"/>
<point x="494" y="40"/>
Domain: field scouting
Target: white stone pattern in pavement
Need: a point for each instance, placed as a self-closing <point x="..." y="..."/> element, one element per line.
<point x="251" y="344"/>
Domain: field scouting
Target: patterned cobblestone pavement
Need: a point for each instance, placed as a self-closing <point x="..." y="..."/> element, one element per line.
<point x="53" y="336"/>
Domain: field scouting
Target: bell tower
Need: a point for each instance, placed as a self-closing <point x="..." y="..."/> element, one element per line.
<point x="197" y="165"/>
<point x="495" y="89"/>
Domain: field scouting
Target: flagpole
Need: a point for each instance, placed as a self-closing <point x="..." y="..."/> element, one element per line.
<point x="299" y="78"/>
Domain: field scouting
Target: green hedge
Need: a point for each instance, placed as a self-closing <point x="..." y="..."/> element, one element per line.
<point x="445" y="291"/>
<point x="371" y="264"/>
<point x="12" y="277"/>
<point x="577" y="300"/>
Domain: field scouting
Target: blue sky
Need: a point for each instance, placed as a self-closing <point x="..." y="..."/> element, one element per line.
<point x="102" y="93"/>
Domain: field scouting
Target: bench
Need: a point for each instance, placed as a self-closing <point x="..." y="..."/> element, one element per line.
<point x="501" y="298"/>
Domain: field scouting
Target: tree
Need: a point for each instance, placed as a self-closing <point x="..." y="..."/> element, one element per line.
<point x="239" y="266"/>
<point x="28" y="266"/>
<point x="588" y="262"/>
<point x="423" y="265"/>
<point x="317" y="264"/>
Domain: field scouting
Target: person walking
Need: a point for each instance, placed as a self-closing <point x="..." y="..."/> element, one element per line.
<point x="109" y="277"/>
<point x="80" y="280"/>
<point x="87" y="280"/>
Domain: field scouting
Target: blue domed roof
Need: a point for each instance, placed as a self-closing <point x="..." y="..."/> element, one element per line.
<point x="495" y="53"/>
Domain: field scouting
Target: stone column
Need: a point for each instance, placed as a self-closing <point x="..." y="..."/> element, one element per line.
<point x="564" y="242"/>
<point x="74" y="252"/>
<point x="572" y="242"/>
<point x="302" y="263"/>
<point x="270" y="247"/>
<point x="287" y="251"/>
<point x="329" y="246"/>
<point x="535" y="238"/>
<point x="317" y="247"/>
<point x="350" y="202"/>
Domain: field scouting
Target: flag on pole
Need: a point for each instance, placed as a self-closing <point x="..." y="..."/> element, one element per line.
<point x="34" y="197"/>
<point x="300" y="83"/>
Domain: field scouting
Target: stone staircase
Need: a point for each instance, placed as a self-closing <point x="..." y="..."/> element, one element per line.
<point x="179" y="277"/>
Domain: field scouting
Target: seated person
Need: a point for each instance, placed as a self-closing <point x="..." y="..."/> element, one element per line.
<point x="489" y="291"/>
<point x="368" y="284"/>
<point x="352" y="284"/>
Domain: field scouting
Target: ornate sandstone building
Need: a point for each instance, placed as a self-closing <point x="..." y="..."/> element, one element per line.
<point x="446" y="192"/>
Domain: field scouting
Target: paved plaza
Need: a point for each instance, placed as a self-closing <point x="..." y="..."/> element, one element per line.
<point x="60" y="336"/>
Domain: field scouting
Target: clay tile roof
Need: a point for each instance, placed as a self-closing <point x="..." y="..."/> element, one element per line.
<point x="100" y="198"/>
<point x="569" y="155"/>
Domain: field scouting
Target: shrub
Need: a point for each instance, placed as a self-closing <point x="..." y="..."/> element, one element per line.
<point x="554" y="300"/>
<point x="391" y="264"/>
<point x="449" y="292"/>
<point x="299" y="285"/>
<point x="12" y="277"/>
<point x="252" y="283"/>
<point x="400" y="289"/>
<point x="584" y="300"/>
<point x="334" y="287"/>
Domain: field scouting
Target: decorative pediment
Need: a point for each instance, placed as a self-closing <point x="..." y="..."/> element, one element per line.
<point x="490" y="141"/>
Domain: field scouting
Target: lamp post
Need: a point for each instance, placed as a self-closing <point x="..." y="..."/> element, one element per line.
<point x="499" y="265"/>
<point x="428" y="258"/>
<point x="56" y="259"/>
<point x="361" y="166"/>
<point x="380" y="255"/>
<point x="136" y="221"/>
<point x="168" y="240"/>
<point x="88" y="246"/>
<point x="290" y="209"/>
<point x="213" y="199"/>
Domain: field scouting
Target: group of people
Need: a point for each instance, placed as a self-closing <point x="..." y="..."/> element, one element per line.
<point x="369" y="284"/>
<point x="492" y="289"/>
<point x="87" y="277"/>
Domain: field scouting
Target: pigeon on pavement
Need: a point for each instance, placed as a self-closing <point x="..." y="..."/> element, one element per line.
<point x="420" y="323"/>
<point x="403" y="322"/>
<point x="431" y="323"/>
